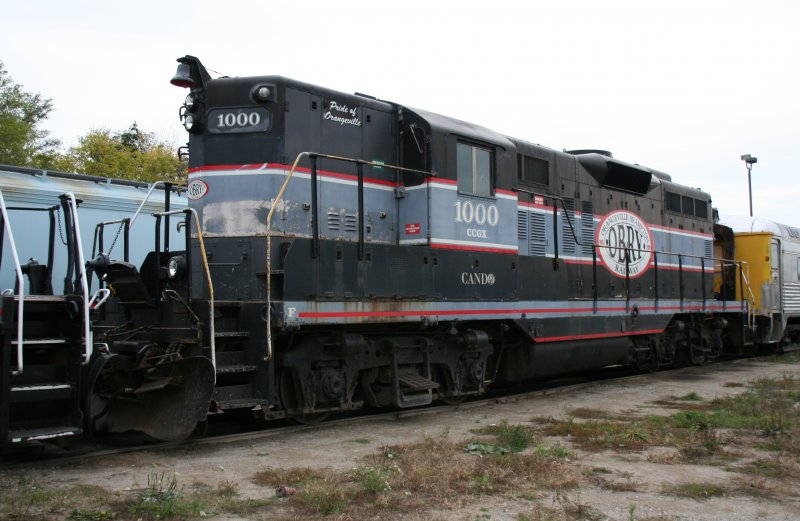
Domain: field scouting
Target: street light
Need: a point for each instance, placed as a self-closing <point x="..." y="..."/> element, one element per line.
<point x="748" y="162"/>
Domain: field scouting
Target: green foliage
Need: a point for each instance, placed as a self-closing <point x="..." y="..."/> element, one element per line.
<point x="510" y="438"/>
<point x="697" y="490"/>
<point x="478" y="448"/>
<point x="162" y="499"/>
<point x="131" y="154"/>
<point x="22" y="141"/>
<point x="374" y="479"/>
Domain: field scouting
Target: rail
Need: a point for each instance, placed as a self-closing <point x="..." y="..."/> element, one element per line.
<point x="313" y="156"/>
<point x="207" y="271"/>
<point x="628" y="250"/>
<point x="87" y="325"/>
<point x="20" y="284"/>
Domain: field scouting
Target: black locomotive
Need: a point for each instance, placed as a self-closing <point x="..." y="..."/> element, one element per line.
<point x="344" y="252"/>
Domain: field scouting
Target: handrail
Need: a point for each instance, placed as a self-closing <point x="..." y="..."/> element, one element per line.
<point x="87" y="326"/>
<point x="313" y="155"/>
<point x="655" y="253"/>
<point x="146" y="197"/>
<point x="211" y="323"/>
<point x="20" y="283"/>
<point x="751" y="312"/>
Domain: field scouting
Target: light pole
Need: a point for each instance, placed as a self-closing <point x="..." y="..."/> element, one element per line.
<point x="748" y="162"/>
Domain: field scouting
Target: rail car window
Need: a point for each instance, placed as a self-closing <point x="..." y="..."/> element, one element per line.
<point x="701" y="209"/>
<point x="688" y="205"/>
<point x="533" y="170"/>
<point x="673" y="202"/>
<point x="774" y="255"/>
<point x="474" y="169"/>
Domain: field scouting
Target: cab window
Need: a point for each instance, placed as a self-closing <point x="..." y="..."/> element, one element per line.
<point x="474" y="169"/>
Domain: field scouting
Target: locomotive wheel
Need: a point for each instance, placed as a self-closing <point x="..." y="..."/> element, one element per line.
<point x="697" y="355"/>
<point x="648" y="360"/>
<point x="454" y="400"/>
<point x="291" y="397"/>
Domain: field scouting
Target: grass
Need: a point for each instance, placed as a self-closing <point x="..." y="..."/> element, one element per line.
<point x="436" y="471"/>
<point x="161" y="498"/>
<point x="703" y="431"/>
<point x="697" y="491"/>
<point x="504" y="460"/>
<point x="512" y="438"/>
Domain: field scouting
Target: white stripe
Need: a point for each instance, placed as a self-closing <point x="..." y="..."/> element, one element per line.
<point x="39" y="387"/>
<point x="672" y="231"/>
<point x="300" y="175"/>
<point x="413" y="241"/>
<point x="510" y="247"/>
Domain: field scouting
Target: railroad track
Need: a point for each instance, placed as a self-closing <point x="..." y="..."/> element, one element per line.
<point x="259" y="430"/>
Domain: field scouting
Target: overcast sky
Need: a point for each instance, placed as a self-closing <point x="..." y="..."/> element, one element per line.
<point x="685" y="87"/>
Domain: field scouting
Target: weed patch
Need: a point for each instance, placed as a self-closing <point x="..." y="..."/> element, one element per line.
<point x="697" y="491"/>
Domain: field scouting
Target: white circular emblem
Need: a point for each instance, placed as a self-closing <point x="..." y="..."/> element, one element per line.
<point x="196" y="189"/>
<point x="620" y="232"/>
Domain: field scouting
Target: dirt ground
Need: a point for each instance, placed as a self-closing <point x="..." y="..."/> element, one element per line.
<point x="640" y="477"/>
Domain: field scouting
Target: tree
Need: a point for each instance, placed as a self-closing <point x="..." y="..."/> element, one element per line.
<point x="130" y="154"/>
<point x="22" y="141"/>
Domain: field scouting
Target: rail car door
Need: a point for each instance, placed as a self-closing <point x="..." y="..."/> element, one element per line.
<point x="776" y="304"/>
<point x="775" y="287"/>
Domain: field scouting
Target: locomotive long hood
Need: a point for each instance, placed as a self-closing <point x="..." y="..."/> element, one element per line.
<point x="616" y="174"/>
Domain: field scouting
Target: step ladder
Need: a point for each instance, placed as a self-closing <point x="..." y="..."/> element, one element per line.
<point x="240" y="384"/>
<point x="44" y="340"/>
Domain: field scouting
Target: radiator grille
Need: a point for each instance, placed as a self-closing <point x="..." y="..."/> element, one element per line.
<point x="567" y="238"/>
<point x="538" y="236"/>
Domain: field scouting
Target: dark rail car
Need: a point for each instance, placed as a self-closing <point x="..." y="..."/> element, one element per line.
<point x="343" y="252"/>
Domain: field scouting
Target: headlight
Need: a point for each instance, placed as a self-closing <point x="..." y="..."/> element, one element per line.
<point x="190" y="103"/>
<point x="190" y="123"/>
<point x="176" y="267"/>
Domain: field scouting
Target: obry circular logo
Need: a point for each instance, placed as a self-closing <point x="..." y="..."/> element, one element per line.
<point x="196" y="189"/>
<point x="624" y="240"/>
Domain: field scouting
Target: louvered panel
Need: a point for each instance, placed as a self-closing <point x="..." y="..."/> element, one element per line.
<point x="522" y="225"/>
<point x="587" y="227"/>
<point x="350" y="222"/>
<point x="791" y="296"/>
<point x="567" y="238"/>
<point x="333" y="220"/>
<point x="538" y="235"/>
<point x="709" y="249"/>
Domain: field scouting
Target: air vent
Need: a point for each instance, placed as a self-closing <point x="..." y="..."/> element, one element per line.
<point x="333" y="220"/>
<point x="350" y="222"/>
<point x="538" y="236"/>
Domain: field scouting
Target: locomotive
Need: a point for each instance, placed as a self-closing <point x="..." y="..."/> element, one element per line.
<point x="343" y="252"/>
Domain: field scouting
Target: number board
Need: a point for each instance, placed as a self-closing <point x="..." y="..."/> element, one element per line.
<point x="231" y="120"/>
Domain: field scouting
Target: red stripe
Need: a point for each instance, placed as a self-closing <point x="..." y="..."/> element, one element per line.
<point x="431" y="180"/>
<point x="448" y="312"/>
<point x="506" y="192"/>
<point x="597" y="335"/>
<point x="580" y="261"/>
<point x="473" y="248"/>
<point x="684" y="268"/>
<point x="534" y="205"/>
